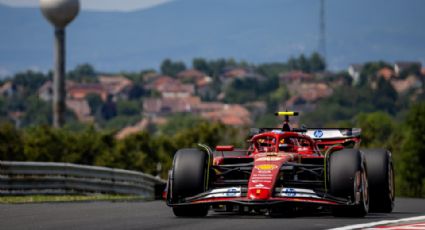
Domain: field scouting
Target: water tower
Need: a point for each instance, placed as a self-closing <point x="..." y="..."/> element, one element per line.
<point x="59" y="13"/>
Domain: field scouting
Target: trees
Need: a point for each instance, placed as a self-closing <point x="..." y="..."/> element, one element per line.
<point x="95" y="102"/>
<point x="411" y="169"/>
<point x="314" y="63"/>
<point x="385" y="96"/>
<point x="250" y="89"/>
<point x="368" y="73"/>
<point x="272" y="69"/>
<point x="83" y="73"/>
<point x="168" y="67"/>
<point x="30" y="80"/>
<point x="202" y="65"/>
<point x="317" y="63"/>
<point x="377" y="129"/>
<point x="11" y="143"/>
<point x="109" y="109"/>
<point x="178" y="122"/>
<point x="414" y="69"/>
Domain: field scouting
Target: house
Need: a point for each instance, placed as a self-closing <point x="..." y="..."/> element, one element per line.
<point x="45" y="92"/>
<point x="8" y="89"/>
<point x="198" y="78"/>
<point x="81" y="109"/>
<point x="171" y="88"/>
<point x="168" y="105"/>
<point x="238" y="72"/>
<point x="230" y="74"/>
<point x="310" y="92"/>
<point x="158" y="82"/>
<point x="401" y="66"/>
<point x="80" y="91"/>
<point x="292" y="76"/>
<point x="403" y="85"/>
<point x="177" y="90"/>
<point x="233" y="115"/>
<point x="354" y="70"/>
<point x="191" y="75"/>
<point x="315" y="91"/>
<point x="149" y="76"/>
<point x="305" y="95"/>
<point x="117" y="86"/>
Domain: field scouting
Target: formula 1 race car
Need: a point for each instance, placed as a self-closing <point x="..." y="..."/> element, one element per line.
<point x="283" y="170"/>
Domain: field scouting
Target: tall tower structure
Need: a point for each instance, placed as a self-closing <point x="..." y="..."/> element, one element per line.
<point x="59" y="13"/>
<point x="322" y="28"/>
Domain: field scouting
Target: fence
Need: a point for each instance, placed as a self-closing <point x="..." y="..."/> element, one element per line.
<point x="26" y="178"/>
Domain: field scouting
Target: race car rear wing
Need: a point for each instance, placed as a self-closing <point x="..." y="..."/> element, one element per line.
<point x="323" y="136"/>
<point x="326" y="137"/>
<point x="317" y="133"/>
<point x="331" y="133"/>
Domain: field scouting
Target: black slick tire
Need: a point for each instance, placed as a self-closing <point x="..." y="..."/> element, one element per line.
<point x="348" y="179"/>
<point x="189" y="174"/>
<point x="381" y="179"/>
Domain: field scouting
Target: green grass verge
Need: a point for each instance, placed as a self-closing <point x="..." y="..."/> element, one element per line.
<point x="66" y="198"/>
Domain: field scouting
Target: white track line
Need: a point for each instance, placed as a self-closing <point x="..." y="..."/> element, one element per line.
<point x="367" y="225"/>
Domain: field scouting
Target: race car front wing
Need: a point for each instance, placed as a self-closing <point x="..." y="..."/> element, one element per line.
<point x="238" y="195"/>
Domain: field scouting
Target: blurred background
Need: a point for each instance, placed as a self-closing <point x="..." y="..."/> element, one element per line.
<point x="145" y="78"/>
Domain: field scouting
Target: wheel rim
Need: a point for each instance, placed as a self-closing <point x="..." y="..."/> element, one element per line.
<point x="391" y="183"/>
<point x="365" y="189"/>
<point x="361" y="189"/>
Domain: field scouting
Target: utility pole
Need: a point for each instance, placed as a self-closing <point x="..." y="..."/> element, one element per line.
<point x="322" y="26"/>
<point x="59" y="13"/>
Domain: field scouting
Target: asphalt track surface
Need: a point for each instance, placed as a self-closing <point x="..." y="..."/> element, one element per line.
<point x="156" y="215"/>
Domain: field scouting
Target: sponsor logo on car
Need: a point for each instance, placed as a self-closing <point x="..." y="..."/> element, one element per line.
<point x="225" y="192"/>
<point x="289" y="192"/>
<point x="266" y="167"/>
<point x="318" y="133"/>
<point x="232" y="192"/>
<point x="298" y="192"/>
<point x="269" y="159"/>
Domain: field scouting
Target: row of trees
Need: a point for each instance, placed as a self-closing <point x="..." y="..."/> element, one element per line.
<point x="405" y="139"/>
<point x="215" y="67"/>
<point x="90" y="147"/>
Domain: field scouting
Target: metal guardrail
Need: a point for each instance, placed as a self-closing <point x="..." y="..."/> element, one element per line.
<point x="26" y="178"/>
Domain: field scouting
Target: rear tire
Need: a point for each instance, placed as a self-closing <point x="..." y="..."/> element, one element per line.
<point x="381" y="179"/>
<point x="348" y="179"/>
<point x="189" y="179"/>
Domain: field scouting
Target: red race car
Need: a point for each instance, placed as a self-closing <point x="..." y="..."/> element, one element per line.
<point x="283" y="170"/>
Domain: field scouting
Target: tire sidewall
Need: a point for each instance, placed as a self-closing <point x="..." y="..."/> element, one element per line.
<point x="348" y="180"/>
<point x="381" y="179"/>
<point x="188" y="173"/>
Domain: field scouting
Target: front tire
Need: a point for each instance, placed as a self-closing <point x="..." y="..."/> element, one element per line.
<point x="348" y="179"/>
<point x="381" y="179"/>
<point x="189" y="175"/>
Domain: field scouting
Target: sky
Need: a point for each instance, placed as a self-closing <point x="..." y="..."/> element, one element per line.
<point x="101" y="5"/>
